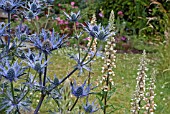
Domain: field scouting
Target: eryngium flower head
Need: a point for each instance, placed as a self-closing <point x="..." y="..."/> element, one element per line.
<point x="80" y="65"/>
<point x="11" y="72"/>
<point x="34" y="7"/>
<point x="97" y="31"/>
<point x="73" y="17"/>
<point x="91" y="29"/>
<point x="80" y="91"/>
<point x="30" y="14"/>
<point x="103" y="34"/>
<point x="47" y="42"/>
<point x="10" y="106"/>
<point x="90" y="108"/>
<point x="21" y="33"/>
<point x="35" y="61"/>
<point x="10" y="5"/>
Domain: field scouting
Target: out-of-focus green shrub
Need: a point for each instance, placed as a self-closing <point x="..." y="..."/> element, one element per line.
<point x="143" y="17"/>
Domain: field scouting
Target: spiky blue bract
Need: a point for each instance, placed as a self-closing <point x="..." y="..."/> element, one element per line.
<point x="90" y="108"/>
<point x="73" y="17"/>
<point x="10" y="6"/>
<point x="80" y="91"/>
<point x="11" y="72"/>
<point x="47" y="42"/>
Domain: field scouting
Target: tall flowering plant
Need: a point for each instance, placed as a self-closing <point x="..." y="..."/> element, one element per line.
<point x="24" y="72"/>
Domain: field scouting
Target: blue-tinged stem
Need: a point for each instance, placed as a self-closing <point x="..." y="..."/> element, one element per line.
<point x="88" y="50"/>
<point x="74" y="104"/>
<point x="68" y="75"/>
<point x="9" y="30"/>
<point x="13" y="96"/>
<point x="39" y="104"/>
<point x="45" y="70"/>
<point x="42" y="94"/>
<point x="89" y="79"/>
<point x="77" y="40"/>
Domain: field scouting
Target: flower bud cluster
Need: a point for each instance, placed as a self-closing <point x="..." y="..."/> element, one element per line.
<point x="109" y="59"/>
<point x="111" y="21"/>
<point x="109" y="62"/>
<point x="139" y="94"/>
<point x="150" y="104"/>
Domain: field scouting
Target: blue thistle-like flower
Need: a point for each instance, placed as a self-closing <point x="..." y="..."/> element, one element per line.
<point x="73" y="17"/>
<point x="35" y="61"/>
<point x="97" y="31"/>
<point x="80" y="91"/>
<point x="10" y="5"/>
<point x="47" y="42"/>
<point x="30" y="14"/>
<point x="11" y="72"/>
<point x="90" y="108"/>
<point x="34" y="7"/>
<point x="80" y="65"/>
<point x="91" y="29"/>
<point x="21" y="33"/>
<point x="103" y="34"/>
<point x="9" y="105"/>
<point x="33" y="10"/>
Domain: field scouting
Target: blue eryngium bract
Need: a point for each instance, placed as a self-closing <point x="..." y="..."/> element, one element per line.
<point x="47" y="42"/>
<point x="73" y="17"/>
<point x="35" y="61"/>
<point x="34" y="6"/>
<point x="97" y="31"/>
<point x="90" y="108"/>
<point x="11" y="72"/>
<point x="10" y="6"/>
<point x="80" y="65"/>
<point x="80" y="91"/>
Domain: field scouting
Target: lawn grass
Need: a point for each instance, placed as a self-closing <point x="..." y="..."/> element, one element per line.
<point x="125" y="80"/>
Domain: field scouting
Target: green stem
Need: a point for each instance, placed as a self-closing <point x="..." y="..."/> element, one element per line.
<point x="9" y="31"/>
<point x="107" y="83"/>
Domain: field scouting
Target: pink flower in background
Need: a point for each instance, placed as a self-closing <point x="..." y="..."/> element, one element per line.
<point x="77" y="23"/>
<point x="72" y="3"/>
<point x="66" y="22"/>
<point x="76" y="7"/>
<point x="37" y="18"/>
<point x="59" y="5"/>
<point x="61" y="22"/>
<point x="101" y="14"/>
<point x="120" y="13"/>
<point x="58" y="19"/>
<point x="88" y="38"/>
